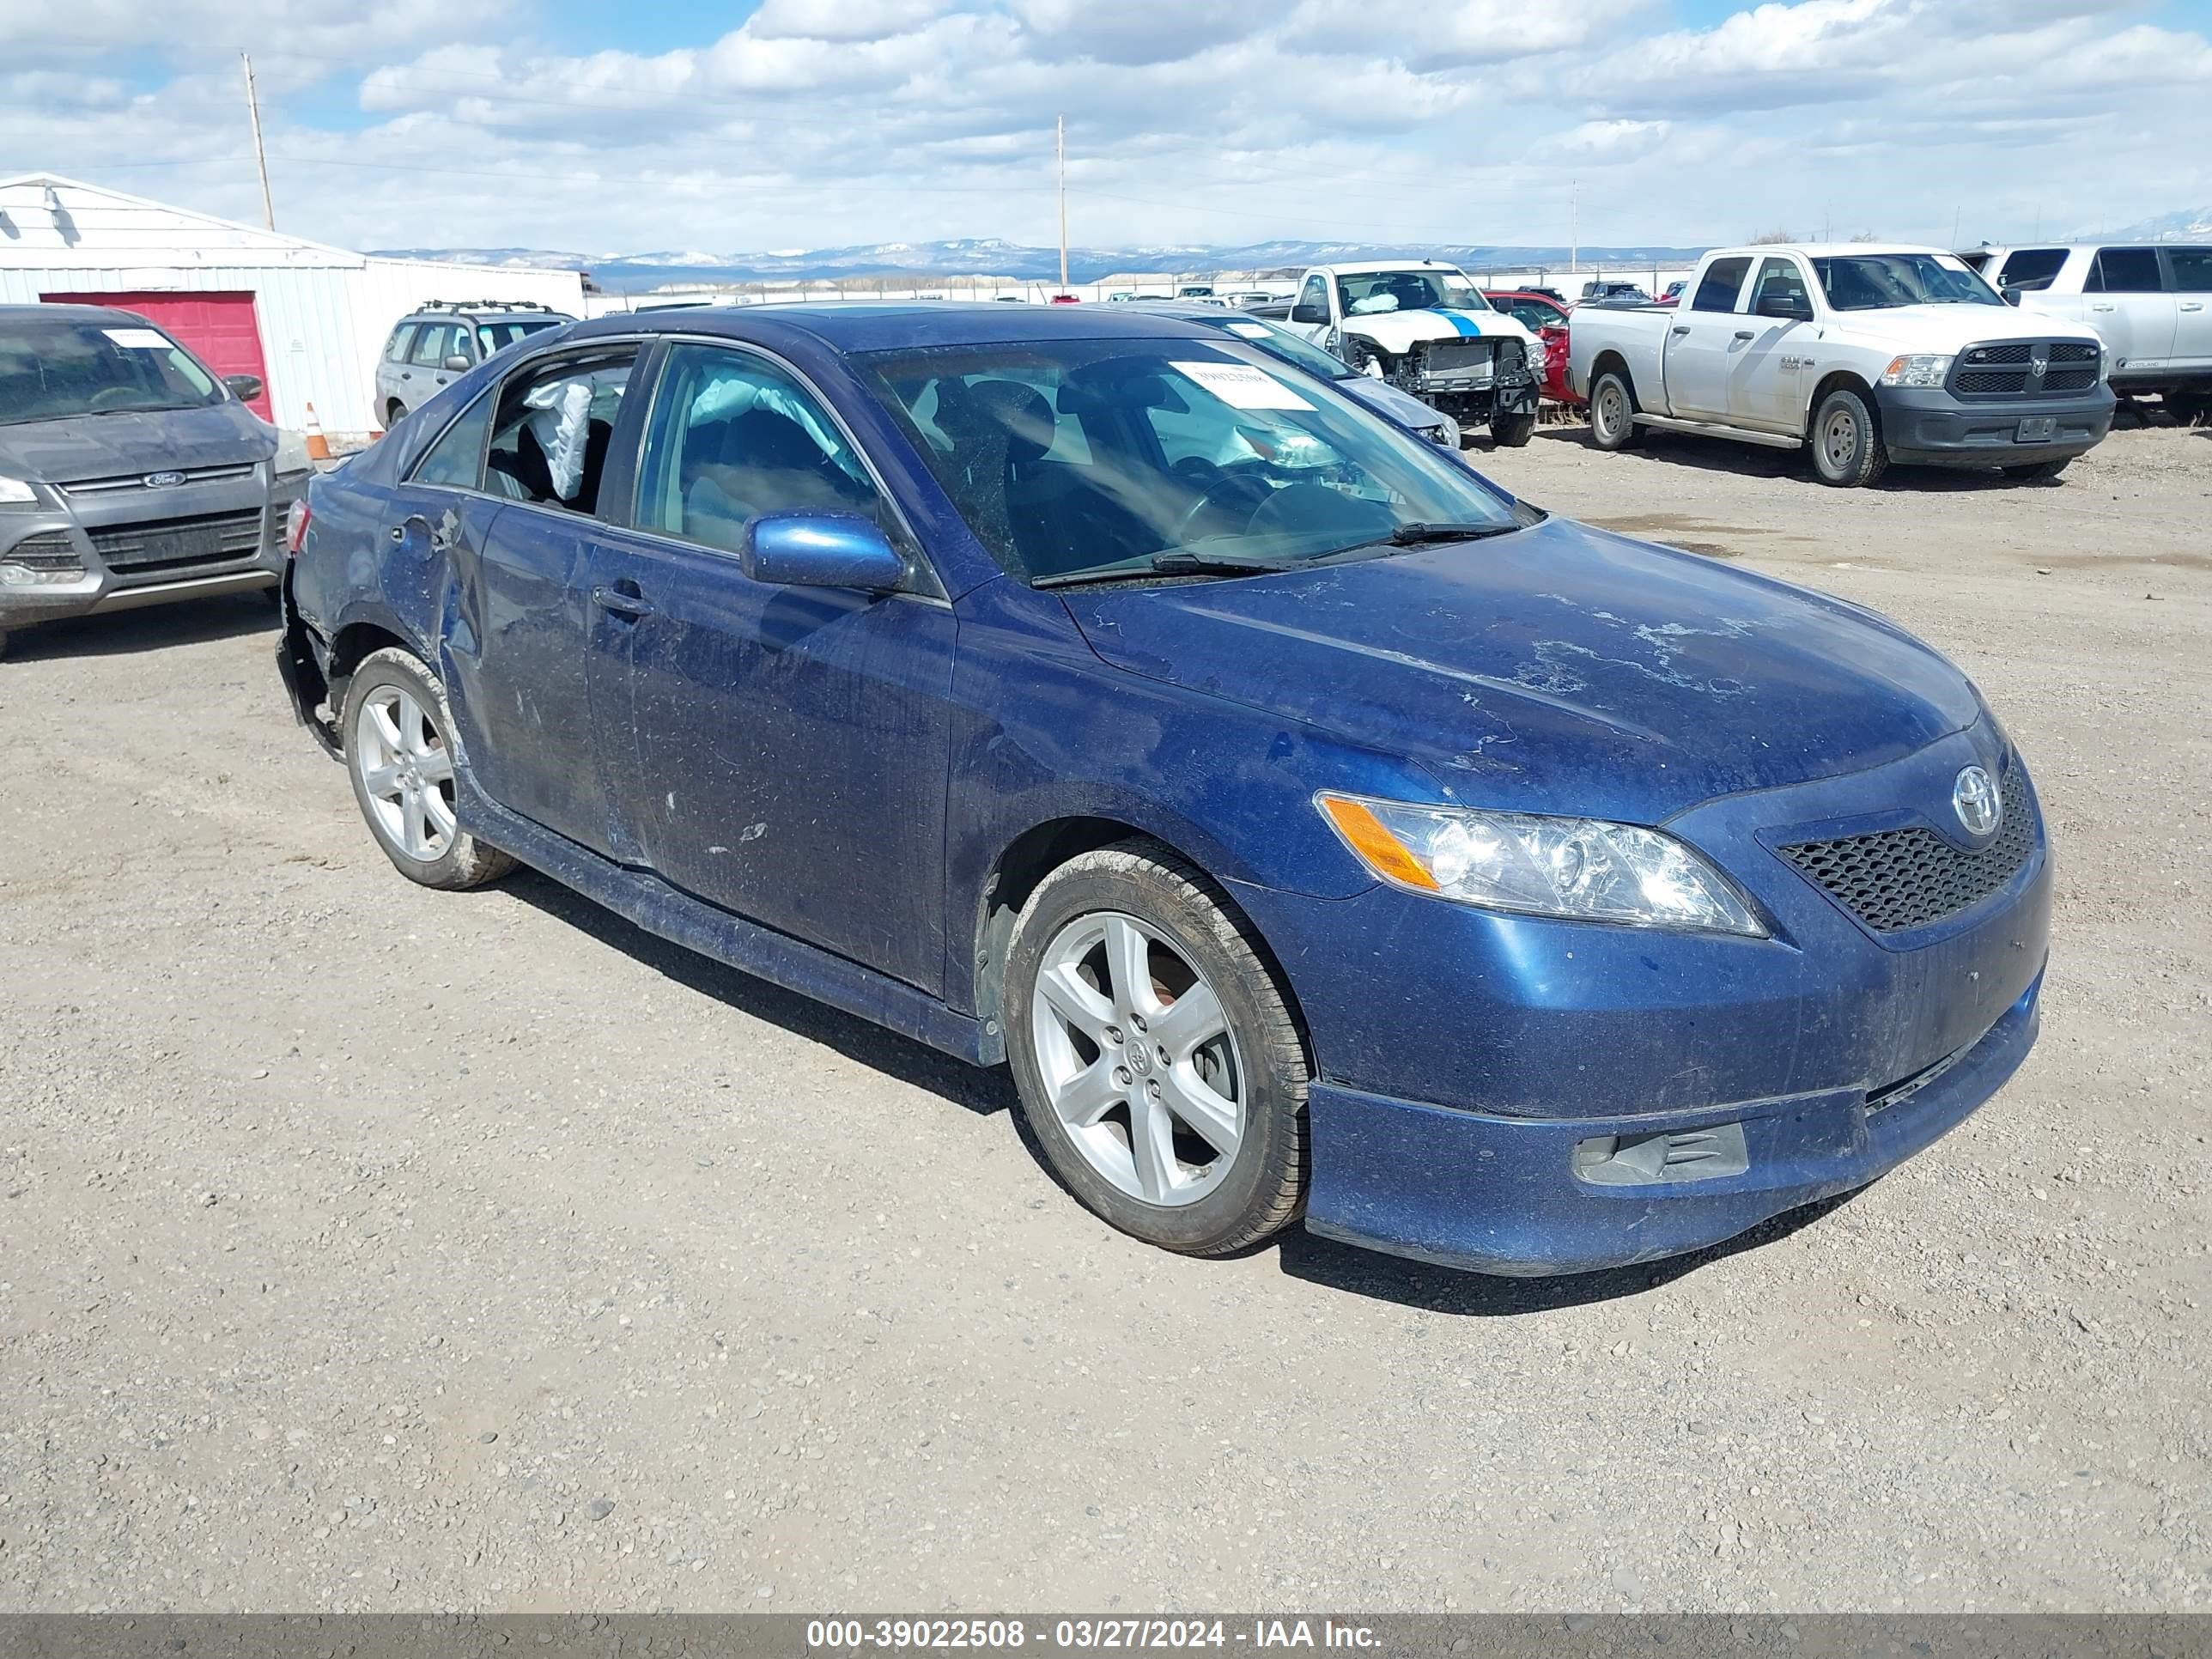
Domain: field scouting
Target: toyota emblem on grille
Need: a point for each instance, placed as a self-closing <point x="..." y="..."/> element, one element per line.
<point x="164" y="480"/>
<point x="1974" y="798"/>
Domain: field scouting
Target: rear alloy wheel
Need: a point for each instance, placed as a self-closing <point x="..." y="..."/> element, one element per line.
<point x="2037" y="470"/>
<point x="1157" y="1063"/>
<point x="398" y="749"/>
<point x="1513" y="431"/>
<point x="1612" y="412"/>
<point x="1847" y="447"/>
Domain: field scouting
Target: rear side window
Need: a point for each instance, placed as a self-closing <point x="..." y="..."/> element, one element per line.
<point x="402" y="339"/>
<point x="554" y="423"/>
<point x="734" y="437"/>
<point x="456" y="460"/>
<point x="2192" y="268"/>
<point x="2032" y="268"/>
<point x="1718" y="287"/>
<point x="2125" y="270"/>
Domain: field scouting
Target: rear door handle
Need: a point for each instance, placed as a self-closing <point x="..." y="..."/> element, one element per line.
<point x="623" y="598"/>
<point x="2100" y="308"/>
<point x="1681" y="329"/>
<point x="1743" y="334"/>
<point x="2192" y="305"/>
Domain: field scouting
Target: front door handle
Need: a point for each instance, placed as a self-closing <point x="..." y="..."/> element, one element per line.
<point x="2192" y="305"/>
<point x="1683" y="330"/>
<point x="623" y="598"/>
<point x="2106" y="307"/>
<point x="1743" y="334"/>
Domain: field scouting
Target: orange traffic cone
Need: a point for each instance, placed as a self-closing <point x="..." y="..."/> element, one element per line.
<point x="318" y="447"/>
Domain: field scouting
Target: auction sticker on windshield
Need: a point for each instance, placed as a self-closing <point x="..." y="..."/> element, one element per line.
<point x="1250" y="330"/>
<point x="1242" y="386"/>
<point x="138" y="339"/>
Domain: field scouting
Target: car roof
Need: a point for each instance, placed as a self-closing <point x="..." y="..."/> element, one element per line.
<point x="64" y="313"/>
<point x="883" y="325"/>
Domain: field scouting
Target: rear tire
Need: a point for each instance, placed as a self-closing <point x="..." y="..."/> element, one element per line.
<point x="1612" y="412"/>
<point x="1513" y="431"/>
<point x="2037" y="470"/>
<point x="397" y="729"/>
<point x="1848" y="452"/>
<point x="1132" y="1077"/>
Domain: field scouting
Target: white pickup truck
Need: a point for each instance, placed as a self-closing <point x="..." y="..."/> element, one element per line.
<point x="1863" y="354"/>
<point x="1423" y="327"/>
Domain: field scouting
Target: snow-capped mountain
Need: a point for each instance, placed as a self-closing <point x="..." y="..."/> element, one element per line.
<point x="992" y="256"/>
<point x="2189" y="225"/>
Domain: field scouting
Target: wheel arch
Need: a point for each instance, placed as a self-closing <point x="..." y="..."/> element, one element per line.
<point x="1838" y="379"/>
<point x="1612" y="360"/>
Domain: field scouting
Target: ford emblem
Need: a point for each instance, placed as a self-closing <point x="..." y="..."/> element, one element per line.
<point x="1974" y="798"/>
<point x="164" y="480"/>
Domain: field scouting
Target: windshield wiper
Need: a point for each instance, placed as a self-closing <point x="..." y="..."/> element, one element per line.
<point x="1418" y="535"/>
<point x="1174" y="561"/>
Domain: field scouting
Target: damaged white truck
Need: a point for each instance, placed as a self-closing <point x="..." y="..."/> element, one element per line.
<point x="1425" y="327"/>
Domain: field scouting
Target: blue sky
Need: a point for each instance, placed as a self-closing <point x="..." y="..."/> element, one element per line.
<point x="787" y="124"/>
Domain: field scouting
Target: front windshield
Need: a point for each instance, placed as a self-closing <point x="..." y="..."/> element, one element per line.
<point x="1291" y="347"/>
<point x="52" y="369"/>
<point x="1068" y="457"/>
<point x="1364" y="293"/>
<point x="1877" y="282"/>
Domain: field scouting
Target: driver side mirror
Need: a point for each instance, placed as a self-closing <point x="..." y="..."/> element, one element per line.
<point x="1307" y="312"/>
<point x="244" y="387"/>
<point x="2010" y="295"/>
<point x="1789" y="308"/>
<point x="458" y="364"/>
<point x="820" y="549"/>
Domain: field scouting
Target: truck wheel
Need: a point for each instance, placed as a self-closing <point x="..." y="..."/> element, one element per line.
<point x="1157" y="1063"/>
<point x="397" y="731"/>
<point x="1513" y="431"/>
<point x="1847" y="447"/>
<point x="1612" y="412"/>
<point x="2037" y="470"/>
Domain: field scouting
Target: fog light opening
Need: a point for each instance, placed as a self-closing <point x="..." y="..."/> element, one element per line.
<point x="1662" y="1160"/>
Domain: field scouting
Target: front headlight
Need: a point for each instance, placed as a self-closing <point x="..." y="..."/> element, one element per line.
<point x="291" y="460"/>
<point x="1919" y="368"/>
<point x="1580" y="869"/>
<point x="13" y="492"/>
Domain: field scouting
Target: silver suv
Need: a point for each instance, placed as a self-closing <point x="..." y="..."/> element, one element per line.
<point x="445" y="339"/>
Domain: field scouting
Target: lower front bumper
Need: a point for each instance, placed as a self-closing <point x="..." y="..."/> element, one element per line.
<point x="1473" y="406"/>
<point x="1502" y="1195"/>
<point x="1932" y="427"/>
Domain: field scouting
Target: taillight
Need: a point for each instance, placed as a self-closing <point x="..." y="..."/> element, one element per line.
<point x="295" y="527"/>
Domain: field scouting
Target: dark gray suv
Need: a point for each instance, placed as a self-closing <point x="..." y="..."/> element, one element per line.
<point x="443" y="340"/>
<point x="129" y="473"/>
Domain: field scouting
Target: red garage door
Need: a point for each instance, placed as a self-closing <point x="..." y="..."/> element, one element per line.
<point x="220" y="328"/>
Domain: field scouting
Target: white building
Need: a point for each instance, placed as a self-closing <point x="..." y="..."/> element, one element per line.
<point x="309" y="319"/>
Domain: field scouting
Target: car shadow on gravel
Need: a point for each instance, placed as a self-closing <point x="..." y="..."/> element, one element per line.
<point x="1789" y="465"/>
<point x="980" y="1091"/>
<point x="126" y="633"/>
<point x="1448" y="1290"/>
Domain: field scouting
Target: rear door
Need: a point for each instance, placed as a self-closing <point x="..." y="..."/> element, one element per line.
<point x="780" y="752"/>
<point x="2128" y="305"/>
<point x="1703" y="339"/>
<point x="2190" y="271"/>
<point x="522" y="632"/>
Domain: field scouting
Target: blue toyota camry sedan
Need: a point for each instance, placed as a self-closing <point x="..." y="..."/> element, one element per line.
<point x="1315" y="829"/>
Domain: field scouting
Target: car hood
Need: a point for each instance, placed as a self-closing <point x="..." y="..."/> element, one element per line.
<point x="1947" y="328"/>
<point x="112" y="446"/>
<point x="1389" y="401"/>
<point x="1558" y="669"/>
<point x="1396" y="332"/>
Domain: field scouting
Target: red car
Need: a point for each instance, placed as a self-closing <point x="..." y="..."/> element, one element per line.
<point x="1547" y="319"/>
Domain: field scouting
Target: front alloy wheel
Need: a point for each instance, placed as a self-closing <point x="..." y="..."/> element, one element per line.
<point x="1157" y="1063"/>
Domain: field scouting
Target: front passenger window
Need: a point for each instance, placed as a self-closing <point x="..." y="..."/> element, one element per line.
<point x="732" y="438"/>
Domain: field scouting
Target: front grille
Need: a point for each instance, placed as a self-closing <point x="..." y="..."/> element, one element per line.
<point x="1452" y="356"/>
<point x="1900" y="878"/>
<point x="134" y="481"/>
<point x="2006" y="368"/>
<point x="170" y="547"/>
<point x="50" y="549"/>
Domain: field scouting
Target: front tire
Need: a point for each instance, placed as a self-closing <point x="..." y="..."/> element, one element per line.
<point x="1612" y="412"/>
<point x="397" y="731"/>
<point x="1848" y="452"/>
<point x="1155" y="1057"/>
<point x="1513" y="431"/>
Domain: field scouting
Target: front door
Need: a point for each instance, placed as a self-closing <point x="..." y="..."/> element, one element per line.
<point x="522" y="629"/>
<point x="787" y="747"/>
<point x="1768" y="382"/>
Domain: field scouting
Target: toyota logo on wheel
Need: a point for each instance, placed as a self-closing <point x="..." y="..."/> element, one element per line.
<point x="1974" y="798"/>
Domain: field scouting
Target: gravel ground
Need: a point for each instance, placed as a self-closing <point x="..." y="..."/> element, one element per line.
<point x="363" y="1247"/>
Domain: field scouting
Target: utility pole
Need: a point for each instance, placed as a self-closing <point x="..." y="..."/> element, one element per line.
<point x="260" y="159"/>
<point x="1059" y="146"/>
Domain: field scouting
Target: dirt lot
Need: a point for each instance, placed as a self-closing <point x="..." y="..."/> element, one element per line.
<point x="366" y="1247"/>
